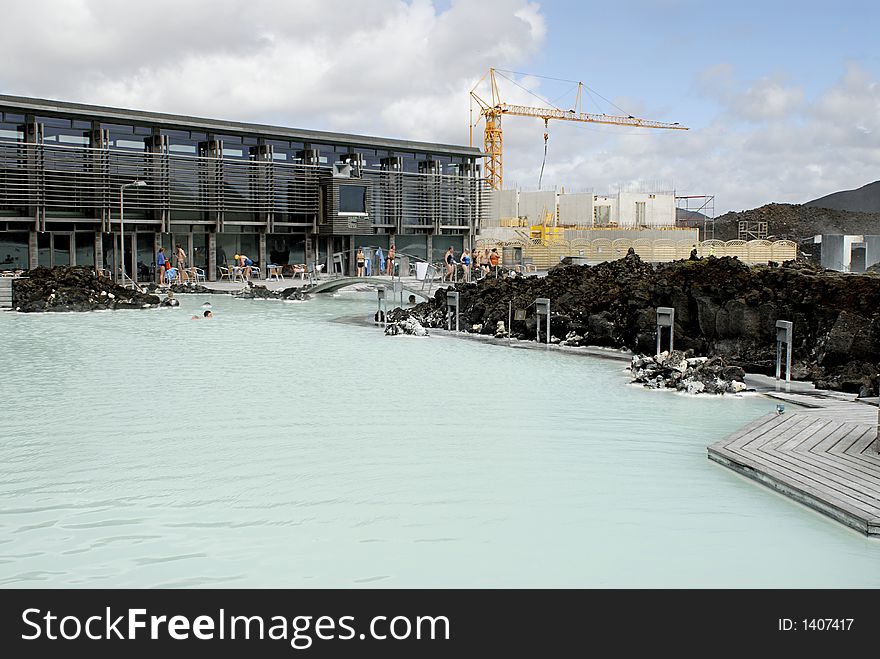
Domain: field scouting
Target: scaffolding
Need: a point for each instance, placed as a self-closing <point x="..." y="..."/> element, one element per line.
<point x="752" y="230"/>
<point x="698" y="212"/>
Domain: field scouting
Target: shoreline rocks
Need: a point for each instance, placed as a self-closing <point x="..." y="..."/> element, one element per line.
<point x="258" y="292"/>
<point x="723" y="308"/>
<point x="693" y="375"/>
<point x="74" y="289"/>
<point x="409" y="326"/>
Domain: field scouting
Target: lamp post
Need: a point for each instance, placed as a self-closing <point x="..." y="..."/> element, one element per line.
<point x="135" y="184"/>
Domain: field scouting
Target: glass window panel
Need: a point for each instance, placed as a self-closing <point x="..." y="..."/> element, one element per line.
<point x="54" y="121"/>
<point x="199" y="256"/>
<point x="128" y="144"/>
<point x="74" y="139"/>
<point x="44" y="251"/>
<point x="85" y="248"/>
<point x="61" y="249"/>
<point x="145" y="257"/>
<point x="182" y="148"/>
<point x="352" y="199"/>
<point x="143" y="130"/>
<point x="122" y="129"/>
<point x="9" y="133"/>
<point x="411" y="245"/>
<point x="227" y="247"/>
<point x="10" y="116"/>
<point x="14" y="251"/>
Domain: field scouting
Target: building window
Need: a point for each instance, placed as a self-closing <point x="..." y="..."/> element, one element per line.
<point x="640" y="212"/>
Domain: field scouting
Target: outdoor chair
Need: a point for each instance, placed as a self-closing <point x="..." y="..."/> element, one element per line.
<point x="225" y="273"/>
<point x="198" y="275"/>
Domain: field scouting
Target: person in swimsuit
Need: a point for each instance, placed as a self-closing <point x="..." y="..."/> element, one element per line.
<point x="245" y="264"/>
<point x="449" y="259"/>
<point x="494" y="260"/>
<point x="161" y="264"/>
<point x="181" y="263"/>
<point x="466" y="265"/>
<point x="484" y="262"/>
<point x="360" y="262"/>
<point x="390" y="261"/>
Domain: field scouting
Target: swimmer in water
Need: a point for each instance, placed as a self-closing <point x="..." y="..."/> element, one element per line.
<point x="207" y="314"/>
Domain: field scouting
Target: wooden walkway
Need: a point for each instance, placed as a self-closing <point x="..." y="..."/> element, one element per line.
<point x="823" y="454"/>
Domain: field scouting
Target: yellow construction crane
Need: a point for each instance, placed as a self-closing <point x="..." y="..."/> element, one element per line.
<point x="491" y="110"/>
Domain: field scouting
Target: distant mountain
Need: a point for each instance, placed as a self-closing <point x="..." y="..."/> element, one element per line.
<point x="865" y="199"/>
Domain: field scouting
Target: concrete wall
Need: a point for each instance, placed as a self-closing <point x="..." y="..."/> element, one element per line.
<point x="576" y="208"/>
<point x="605" y="205"/>
<point x="502" y="204"/>
<point x="535" y="205"/>
<point x="872" y="250"/>
<point x="659" y="209"/>
<point x="833" y="256"/>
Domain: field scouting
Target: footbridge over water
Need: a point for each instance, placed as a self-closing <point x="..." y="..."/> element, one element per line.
<point x="410" y="286"/>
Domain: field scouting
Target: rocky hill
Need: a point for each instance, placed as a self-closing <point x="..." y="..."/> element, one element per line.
<point x="865" y="199"/>
<point x="798" y="222"/>
<point x="723" y="308"/>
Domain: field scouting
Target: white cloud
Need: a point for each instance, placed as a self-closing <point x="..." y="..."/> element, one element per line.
<point x="373" y="66"/>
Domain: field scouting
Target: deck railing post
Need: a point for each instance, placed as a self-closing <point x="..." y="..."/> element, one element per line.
<point x="665" y="318"/>
<point x="380" y="292"/>
<point x="452" y="298"/>
<point x="783" y="336"/>
<point x="542" y="307"/>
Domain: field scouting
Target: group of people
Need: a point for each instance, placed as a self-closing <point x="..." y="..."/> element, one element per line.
<point x="386" y="263"/>
<point x="177" y="271"/>
<point x="166" y="271"/>
<point x="483" y="261"/>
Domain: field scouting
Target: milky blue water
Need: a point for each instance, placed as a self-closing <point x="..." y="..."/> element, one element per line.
<point x="271" y="446"/>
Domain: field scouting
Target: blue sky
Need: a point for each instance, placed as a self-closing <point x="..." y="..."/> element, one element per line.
<point x="782" y="98"/>
<point x="656" y="50"/>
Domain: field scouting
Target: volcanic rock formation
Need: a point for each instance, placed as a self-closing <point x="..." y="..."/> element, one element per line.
<point x="74" y="289"/>
<point x="723" y="308"/>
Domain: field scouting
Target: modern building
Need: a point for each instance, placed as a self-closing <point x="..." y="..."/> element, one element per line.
<point x="219" y="188"/>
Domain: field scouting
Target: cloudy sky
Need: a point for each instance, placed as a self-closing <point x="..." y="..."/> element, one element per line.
<point x="783" y="100"/>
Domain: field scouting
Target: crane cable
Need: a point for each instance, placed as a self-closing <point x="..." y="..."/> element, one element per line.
<point x="544" y="161"/>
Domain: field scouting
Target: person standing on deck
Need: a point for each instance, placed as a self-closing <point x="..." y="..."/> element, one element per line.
<point x="161" y="263"/>
<point x="449" y="260"/>
<point x="181" y="263"/>
<point x="359" y="258"/>
<point x="484" y="262"/>
<point x="390" y="261"/>
<point x="466" y="265"/>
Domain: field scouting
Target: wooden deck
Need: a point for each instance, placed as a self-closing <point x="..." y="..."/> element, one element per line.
<point x="822" y="452"/>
